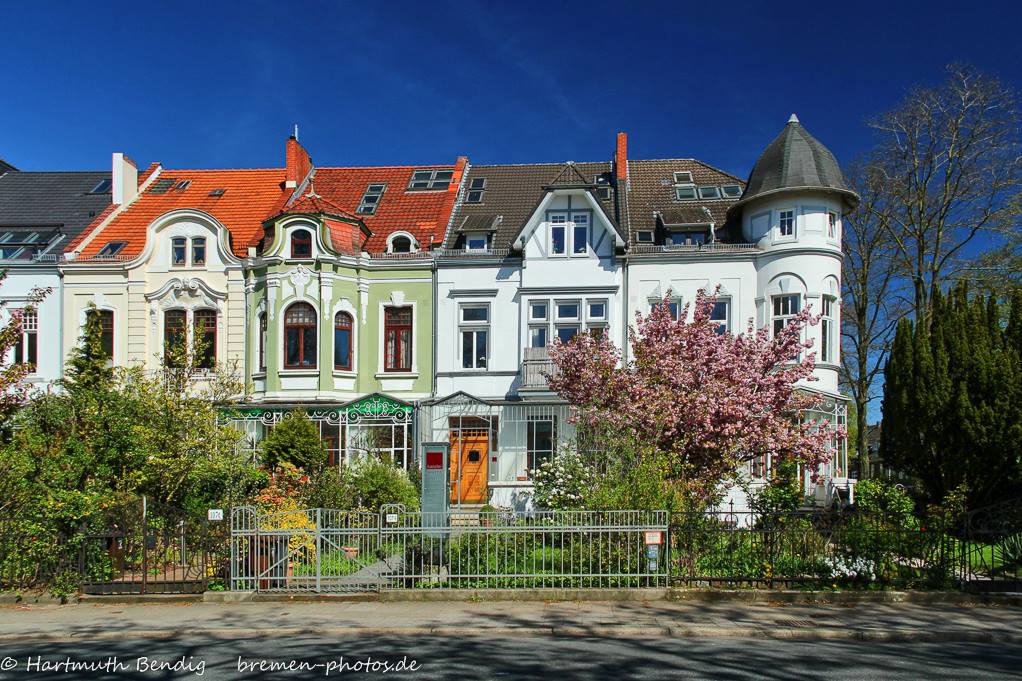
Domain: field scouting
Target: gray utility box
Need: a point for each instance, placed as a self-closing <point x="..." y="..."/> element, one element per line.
<point x="436" y="491"/>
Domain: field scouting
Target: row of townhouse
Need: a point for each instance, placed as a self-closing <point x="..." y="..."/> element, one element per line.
<point x="402" y="305"/>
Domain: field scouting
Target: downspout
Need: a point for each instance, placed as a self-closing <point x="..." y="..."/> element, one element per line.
<point x="60" y="324"/>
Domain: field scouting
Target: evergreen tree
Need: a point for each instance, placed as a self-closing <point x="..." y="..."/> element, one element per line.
<point x="952" y="412"/>
<point x="88" y="365"/>
<point x="294" y="440"/>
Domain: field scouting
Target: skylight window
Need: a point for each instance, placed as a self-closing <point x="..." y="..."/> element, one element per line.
<point x="732" y="191"/>
<point x="709" y="192"/>
<point x="684" y="190"/>
<point x="111" y="249"/>
<point x="182" y="185"/>
<point x="162" y="185"/>
<point x="431" y="179"/>
<point x="218" y="192"/>
<point x="102" y="187"/>
<point x="371" y="199"/>
<point x="476" y="190"/>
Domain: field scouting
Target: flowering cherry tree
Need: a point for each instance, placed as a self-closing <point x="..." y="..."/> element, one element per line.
<point x="704" y="400"/>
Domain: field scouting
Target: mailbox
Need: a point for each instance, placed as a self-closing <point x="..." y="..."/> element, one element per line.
<point x="436" y="495"/>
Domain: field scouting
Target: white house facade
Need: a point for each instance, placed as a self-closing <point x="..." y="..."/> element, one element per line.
<point x="40" y="214"/>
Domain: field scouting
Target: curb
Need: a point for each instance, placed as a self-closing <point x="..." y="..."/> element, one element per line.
<point x="621" y="632"/>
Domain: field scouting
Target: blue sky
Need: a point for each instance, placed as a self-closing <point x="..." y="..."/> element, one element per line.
<point x="219" y="85"/>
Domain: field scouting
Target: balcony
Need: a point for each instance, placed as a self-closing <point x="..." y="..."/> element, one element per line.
<point x="535" y="364"/>
<point x="695" y="248"/>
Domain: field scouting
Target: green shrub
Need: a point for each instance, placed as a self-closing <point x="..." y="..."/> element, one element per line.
<point x="375" y="483"/>
<point x="783" y="492"/>
<point x="563" y="483"/>
<point x="877" y="495"/>
<point x="329" y="488"/>
<point x="294" y="440"/>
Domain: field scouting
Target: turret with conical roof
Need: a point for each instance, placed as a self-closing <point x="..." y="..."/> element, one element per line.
<point x="796" y="161"/>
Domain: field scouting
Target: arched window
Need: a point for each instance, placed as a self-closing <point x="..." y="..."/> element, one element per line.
<point x="300" y="337"/>
<point x="174" y="342"/>
<point x="205" y="334"/>
<point x="301" y="243"/>
<point x="342" y="341"/>
<point x="401" y="244"/>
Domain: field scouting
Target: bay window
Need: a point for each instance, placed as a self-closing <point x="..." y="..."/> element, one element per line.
<point x="827" y="328"/>
<point x="785" y="307"/>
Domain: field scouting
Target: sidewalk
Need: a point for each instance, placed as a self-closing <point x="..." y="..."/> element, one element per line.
<point x="870" y="621"/>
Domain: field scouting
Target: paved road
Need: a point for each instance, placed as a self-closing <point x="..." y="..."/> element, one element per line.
<point x="532" y="657"/>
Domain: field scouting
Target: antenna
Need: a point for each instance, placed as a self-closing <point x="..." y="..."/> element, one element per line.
<point x="296" y="132"/>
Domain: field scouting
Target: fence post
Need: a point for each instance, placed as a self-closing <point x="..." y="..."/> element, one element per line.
<point x="319" y="548"/>
<point x="145" y="543"/>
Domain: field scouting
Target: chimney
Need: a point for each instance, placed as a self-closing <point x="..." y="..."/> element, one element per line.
<point x="621" y="158"/>
<point x="298" y="163"/>
<point x="124" y="180"/>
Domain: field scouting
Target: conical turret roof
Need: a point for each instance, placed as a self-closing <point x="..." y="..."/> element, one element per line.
<point x="796" y="160"/>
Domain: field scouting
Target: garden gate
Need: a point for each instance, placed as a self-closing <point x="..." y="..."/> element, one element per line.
<point x="352" y="551"/>
<point x="147" y="548"/>
<point x="989" y="555"/>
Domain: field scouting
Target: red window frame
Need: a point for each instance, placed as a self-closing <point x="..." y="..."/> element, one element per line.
<point x="303" y="325"/>
<point x="174" y="322"/>
<point x="204" y="323"/>
<point x="397" y="338"/>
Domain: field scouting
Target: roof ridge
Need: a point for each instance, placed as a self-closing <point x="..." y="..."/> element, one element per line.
<point x="390" y="167"/>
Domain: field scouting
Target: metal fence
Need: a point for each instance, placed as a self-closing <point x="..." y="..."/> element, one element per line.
<point x="813" y="548"/>
<point x="338" y="551"/>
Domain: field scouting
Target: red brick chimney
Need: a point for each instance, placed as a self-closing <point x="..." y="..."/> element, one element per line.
<point x="298" y="163"/>
<point x="621" y="157"/>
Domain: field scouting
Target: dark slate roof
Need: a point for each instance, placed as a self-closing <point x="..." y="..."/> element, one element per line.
<point x="651" y="194"/>
<point x="6" y="167"/>
<point x="514" y="191"/>
<point x="796" y="160"/>
<point x="51" y="200"/>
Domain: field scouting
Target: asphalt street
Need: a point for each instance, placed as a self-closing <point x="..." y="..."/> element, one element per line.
<point x="524" y="657"/>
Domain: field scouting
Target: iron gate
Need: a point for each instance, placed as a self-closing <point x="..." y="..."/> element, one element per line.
<point x="146" y="548"/>
<point x="350" y="551"/>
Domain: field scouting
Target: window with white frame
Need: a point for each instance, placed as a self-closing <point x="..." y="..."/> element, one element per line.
<point x="198" y="250"/>
<point x="684" y="186"/>
<point x="832" y="226"/>
<point x="720" y="315"/>
<point x="786" y="222"/>
<point x="26" y="350"/>
<point x="539" y="318"/>
<point x="431" y="179"/>
<point x="558" y="234"/>
<point x="596" y="317"/>
<point x="732" y="191"/>
<point x="644" y="237"/>
<point x="567" y="319"/>
<point x="827" y="329"/>
<point x="541" y="440"/>
<point x="179" y="251"/>
<point x="709" y="192"/>
<point x="476" y="241"/>
<point x="579" y="233"/>
<point x="476" y="190"/>
<point x="785" y="307"/>
<point x="474" y="328"/>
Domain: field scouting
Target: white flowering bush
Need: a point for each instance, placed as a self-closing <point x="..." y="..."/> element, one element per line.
<point x="851" y="568"/>
<point x="562" y="483"/>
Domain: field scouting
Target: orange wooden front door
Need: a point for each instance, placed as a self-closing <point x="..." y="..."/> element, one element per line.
<point x="470" y="452"/>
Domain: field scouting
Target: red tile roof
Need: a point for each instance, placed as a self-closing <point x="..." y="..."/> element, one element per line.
<point x="249" y="197"/>
<point x="423" y="214"/>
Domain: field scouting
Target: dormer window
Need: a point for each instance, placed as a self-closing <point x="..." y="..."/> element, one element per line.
<point x="179" y="251"/>
<point x="686" y="238"/>
<point x="644" y="237"/>
<point x="476" y="241"/>
<point x="301" y="243"/>
<point x="401" y="244"/>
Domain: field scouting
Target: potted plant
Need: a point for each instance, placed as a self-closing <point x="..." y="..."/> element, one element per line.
<point x="487" y="515"/>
